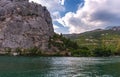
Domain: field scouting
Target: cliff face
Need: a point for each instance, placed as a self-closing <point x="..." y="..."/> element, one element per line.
<point x="24" y="25"/>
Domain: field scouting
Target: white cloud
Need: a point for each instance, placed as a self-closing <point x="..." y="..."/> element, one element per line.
<point x="94" y="14"/>
<point x="55" y="7"/>
<point x="52" y="5"/>
<point x="62" y="2"/>
<point x="55" y="27"/>
<point x="56" y="15"/>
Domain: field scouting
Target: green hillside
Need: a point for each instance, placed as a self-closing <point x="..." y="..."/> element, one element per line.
<point x="98" y="42"/>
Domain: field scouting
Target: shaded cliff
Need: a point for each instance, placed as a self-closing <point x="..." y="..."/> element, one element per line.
<point x="24" y="25"/>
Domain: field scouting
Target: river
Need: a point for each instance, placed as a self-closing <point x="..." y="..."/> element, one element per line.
<point x="59" y="66"/>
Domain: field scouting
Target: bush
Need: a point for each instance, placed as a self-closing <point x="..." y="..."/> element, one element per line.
<point x="62" y="43"/>
<point x="81" y="52"/>
<point x="34" y="51"/>
<point x="98" y="52"/>
<point x="8" y="50"/>
<point x="19" y="50"/>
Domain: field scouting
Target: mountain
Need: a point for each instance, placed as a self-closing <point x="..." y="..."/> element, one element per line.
<point x="71" y="36"/>
<point x="24" y="25"/>
<point x="92" y="39"/>
<point x="99" y="42"/>
<point x="115" y="28"/>
<point x="111" y="30"/>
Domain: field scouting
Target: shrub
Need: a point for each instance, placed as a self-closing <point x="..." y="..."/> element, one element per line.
<point x="81" y="52"/>
<point x="102" y="52"/>
<point x="34" y="51"/>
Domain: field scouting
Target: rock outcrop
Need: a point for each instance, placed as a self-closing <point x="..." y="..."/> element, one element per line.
<point x="24" y="25"/>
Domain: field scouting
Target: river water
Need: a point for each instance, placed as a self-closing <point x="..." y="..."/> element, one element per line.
<point x="59" y="66"/>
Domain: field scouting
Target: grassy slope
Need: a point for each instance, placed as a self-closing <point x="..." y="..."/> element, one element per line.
<point x="93" y="39"/>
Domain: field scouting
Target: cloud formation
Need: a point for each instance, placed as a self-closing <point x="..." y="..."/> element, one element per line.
<point x="54" y="6"/>
<point x="94" y="14"/>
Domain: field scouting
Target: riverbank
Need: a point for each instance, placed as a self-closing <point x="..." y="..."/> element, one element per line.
<point x="50" y="54"/>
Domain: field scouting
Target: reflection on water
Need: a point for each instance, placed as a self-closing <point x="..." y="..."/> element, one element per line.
<point x="59" y="67"/>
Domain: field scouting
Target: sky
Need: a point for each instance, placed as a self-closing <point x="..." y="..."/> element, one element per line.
<point x="77" y="16"/>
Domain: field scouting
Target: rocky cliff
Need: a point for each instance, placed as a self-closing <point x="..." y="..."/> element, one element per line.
<point x="24" y="25"/>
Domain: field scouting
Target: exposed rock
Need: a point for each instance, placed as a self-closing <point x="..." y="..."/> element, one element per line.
<point x="24" y="25"/>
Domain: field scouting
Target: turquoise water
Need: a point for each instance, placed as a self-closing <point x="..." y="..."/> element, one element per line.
<point x="59" y="67"/>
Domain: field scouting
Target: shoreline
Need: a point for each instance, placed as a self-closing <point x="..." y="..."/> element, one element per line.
<point x="55" y="56"/>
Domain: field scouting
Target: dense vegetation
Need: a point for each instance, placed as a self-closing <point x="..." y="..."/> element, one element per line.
<point x="58" y="46"/>
<point x="94" y="43"/>
<point x="97" y="43"/>
<point x="62" y="45"/>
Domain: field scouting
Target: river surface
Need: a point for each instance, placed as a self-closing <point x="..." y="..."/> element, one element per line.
<point x="59" y="67"/>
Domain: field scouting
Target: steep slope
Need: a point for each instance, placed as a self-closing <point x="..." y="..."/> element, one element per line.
<point x="24" y="25"/>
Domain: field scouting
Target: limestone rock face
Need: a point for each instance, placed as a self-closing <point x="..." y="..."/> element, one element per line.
<point x="24" y="25"/>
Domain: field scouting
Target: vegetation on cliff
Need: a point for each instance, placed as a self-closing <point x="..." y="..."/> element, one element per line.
<point x="108" y="44"/>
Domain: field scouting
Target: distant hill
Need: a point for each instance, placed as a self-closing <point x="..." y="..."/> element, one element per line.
<point x="99" y="42"/>
<point x="74" y="36"/>
<point x="97" y="34"/>
<point x="113" y="28"/>
<point x="71" y="36"/>
<point x="109" y="38"/>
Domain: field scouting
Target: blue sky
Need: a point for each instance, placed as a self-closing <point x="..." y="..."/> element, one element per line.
<point x="77" y="16"/>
